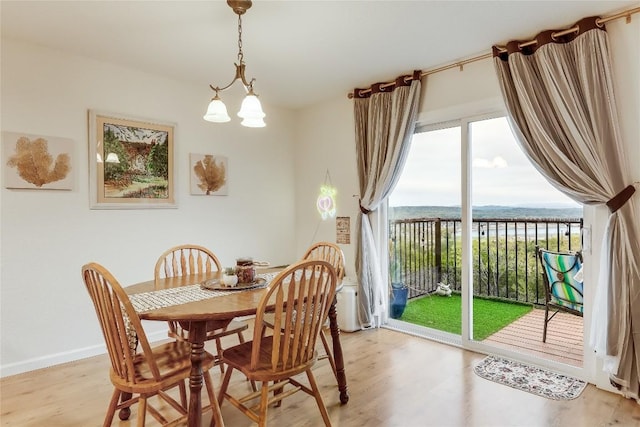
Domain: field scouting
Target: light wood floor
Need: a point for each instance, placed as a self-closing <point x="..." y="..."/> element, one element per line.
<point x="394" y="380"/>
<point x="564" y="337"/>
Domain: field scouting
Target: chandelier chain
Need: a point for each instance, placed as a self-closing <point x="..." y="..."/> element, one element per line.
<point x="240" y="54"/>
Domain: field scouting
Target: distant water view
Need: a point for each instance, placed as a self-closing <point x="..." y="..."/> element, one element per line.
<point x="496" y="220"/>
<point x="426" y="245"/>
<point x="483" y="212"/>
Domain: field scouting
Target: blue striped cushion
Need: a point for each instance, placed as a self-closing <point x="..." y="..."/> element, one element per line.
<point x="565" y="289"/>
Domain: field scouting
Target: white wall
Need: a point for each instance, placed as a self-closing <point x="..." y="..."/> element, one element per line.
<point x="46" y="236"/>
<point x="448" y="95"/>
<point x="326" y="143"/>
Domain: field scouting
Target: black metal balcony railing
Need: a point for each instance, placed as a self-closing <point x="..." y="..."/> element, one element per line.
<point x="426" y="251"/>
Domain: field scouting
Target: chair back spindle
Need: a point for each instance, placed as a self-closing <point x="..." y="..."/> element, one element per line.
<point x="329" y="252"/>
<point x="184" y="260"/>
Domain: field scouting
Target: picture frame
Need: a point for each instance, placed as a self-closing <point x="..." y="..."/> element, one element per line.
<point x="343" y="230"/>
<point x="208" y="175"/>
<point x="131" y="162"/>
<point x="38" y="162"/>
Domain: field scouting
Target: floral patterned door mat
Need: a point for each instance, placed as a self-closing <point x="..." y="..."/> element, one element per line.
<point x="529" y="378"/>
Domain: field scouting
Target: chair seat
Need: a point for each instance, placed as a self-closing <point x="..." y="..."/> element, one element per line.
<point x="215" y="329"/>
<point x="239" y="357"/>
<point x="232" y="328"/>
<point x="173" y="360"/>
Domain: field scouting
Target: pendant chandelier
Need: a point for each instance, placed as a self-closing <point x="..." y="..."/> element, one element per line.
<point x="251" y="111"/>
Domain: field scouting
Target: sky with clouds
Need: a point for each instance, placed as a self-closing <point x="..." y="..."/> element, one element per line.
<point x="501" y="174"/>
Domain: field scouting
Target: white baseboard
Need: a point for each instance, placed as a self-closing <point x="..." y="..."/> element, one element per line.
<point x="64" y="357"/>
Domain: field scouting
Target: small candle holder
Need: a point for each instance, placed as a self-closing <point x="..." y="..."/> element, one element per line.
<point x="229" y="277"/>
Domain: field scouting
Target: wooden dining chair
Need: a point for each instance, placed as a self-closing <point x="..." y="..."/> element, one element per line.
<point x="192" y="259"/>
<point x="138" y="376"/>
<point x="331" y="253"/>
<point x="300" y="297"/>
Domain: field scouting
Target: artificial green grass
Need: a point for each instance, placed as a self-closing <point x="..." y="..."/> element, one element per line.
<point x="445" y="314"/>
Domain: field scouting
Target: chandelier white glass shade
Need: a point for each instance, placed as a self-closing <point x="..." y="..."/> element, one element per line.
<point x="217" y="111"/>
<point x="251" y="110"/>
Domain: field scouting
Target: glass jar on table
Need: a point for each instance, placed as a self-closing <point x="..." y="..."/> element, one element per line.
<point x="245" y="270"/>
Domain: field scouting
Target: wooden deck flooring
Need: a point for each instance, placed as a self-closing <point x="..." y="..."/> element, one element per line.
<point x="564" y="337"/>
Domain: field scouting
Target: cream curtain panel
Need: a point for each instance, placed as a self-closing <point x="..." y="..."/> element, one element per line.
<point x="561" y="106"/>
<point x="385" y="119"/>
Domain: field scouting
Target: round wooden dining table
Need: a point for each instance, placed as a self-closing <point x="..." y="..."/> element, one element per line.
<point x="216" y="312"/>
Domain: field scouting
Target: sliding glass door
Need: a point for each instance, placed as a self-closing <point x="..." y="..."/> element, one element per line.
<point x="425" y="235"/>
<point x="464" y="221"/>
<point x="513" y="211"/>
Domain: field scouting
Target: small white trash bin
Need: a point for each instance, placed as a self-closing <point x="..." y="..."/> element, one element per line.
<point x="347" y="308"/>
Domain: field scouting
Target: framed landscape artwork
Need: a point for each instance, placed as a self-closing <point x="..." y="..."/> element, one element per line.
<point x="37" y="162"/>
<point x="208" y="175"/>
<point x="130" y="162"/>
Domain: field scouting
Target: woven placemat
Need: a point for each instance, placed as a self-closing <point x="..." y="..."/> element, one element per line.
<point x="153" y="300"/>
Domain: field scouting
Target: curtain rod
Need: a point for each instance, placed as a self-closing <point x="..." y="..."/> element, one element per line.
<point x="461" y="64"/>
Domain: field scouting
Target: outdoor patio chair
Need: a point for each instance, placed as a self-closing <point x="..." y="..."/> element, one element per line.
<point x="562" y="272"/>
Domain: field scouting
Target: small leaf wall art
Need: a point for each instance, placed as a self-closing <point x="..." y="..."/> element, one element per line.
<point x="37" y="162"/>
<point x="209" y="175"/>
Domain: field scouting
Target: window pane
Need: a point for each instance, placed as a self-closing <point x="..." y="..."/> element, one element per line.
<point x="431" y="176"/>
<point x="425" y="232"/>
<point x="503" y="175"/>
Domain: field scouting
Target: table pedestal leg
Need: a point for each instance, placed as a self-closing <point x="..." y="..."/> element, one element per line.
<point x="197" y="335"/>
<point x="337" y="352"/>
